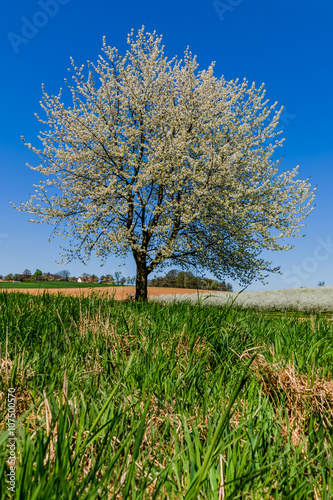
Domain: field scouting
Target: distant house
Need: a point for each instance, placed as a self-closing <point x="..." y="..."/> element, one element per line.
<point x="91" y="279"/>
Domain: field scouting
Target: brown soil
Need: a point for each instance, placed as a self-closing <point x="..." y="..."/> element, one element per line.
<point x="119" y="292"/>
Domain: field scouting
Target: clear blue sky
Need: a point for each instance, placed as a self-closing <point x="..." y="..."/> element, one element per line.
<point x="287" y="45"/>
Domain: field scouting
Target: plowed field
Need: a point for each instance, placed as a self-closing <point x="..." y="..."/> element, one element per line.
<point x="119" y="292"/>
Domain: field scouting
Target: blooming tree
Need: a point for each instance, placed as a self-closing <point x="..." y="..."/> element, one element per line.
<point x="172" y="164"/>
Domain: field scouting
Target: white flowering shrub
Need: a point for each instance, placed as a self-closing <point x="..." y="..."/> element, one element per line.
<point x="318" y="299"/>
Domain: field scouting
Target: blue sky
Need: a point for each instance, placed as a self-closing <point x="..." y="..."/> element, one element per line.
<point x="285" y="44"/>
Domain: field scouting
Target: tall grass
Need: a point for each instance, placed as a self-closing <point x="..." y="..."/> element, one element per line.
<point x="145" y="401"/>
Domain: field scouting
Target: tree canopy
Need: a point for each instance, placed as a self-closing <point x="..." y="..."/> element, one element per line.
<point x="157" y="158"/>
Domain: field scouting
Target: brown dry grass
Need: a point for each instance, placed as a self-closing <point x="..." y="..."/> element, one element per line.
<point x="301" y="397"/>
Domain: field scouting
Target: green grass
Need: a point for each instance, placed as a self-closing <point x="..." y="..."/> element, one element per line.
<point x="53" y="284"/>
<point x="145" y="401"/>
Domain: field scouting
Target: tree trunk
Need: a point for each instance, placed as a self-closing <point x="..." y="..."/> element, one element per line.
<point x="141" y="292"/>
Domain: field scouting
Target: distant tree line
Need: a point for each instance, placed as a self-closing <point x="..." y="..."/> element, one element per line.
<point x="117" y="279"/>
<point x="186" y="279"/>
<point x="39" y="276"/>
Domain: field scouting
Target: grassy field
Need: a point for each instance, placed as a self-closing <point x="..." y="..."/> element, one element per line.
<point x="51" y="284"/>
<point x="148" y="401"/>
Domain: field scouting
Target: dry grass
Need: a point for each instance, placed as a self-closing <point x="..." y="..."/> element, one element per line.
<point x="301" y="396"/>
